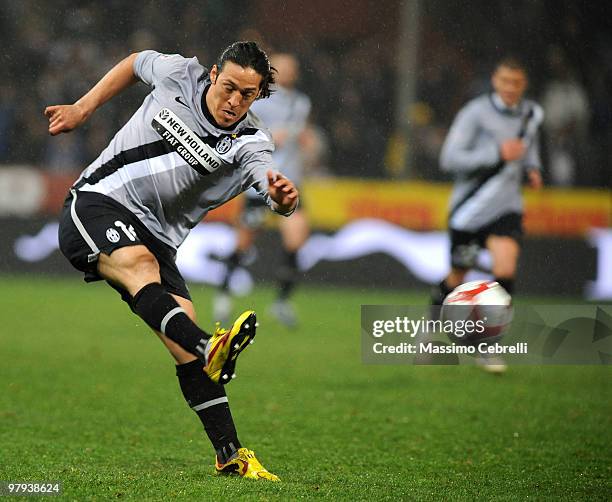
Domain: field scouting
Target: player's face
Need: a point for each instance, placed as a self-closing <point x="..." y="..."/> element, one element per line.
<point x="232" y="91"/>
<point x="510" y="84"/>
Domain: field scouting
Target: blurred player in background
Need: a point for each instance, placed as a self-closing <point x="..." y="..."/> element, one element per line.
<point x="190" y="147"/>
<point x="491" y="146"/>
<point x="286" y="113"/>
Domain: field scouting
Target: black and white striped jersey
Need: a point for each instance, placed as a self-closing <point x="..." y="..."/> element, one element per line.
<point x="170" y="163"/>
<point x="485" y="187"/>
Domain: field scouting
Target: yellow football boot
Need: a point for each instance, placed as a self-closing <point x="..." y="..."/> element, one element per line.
<point x="245" y="464"/>
<point x="224" y="346"/>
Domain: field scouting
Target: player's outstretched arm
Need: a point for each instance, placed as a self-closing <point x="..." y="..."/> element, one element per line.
<point x="65" y="118"/>
<point x="283" y="192"/>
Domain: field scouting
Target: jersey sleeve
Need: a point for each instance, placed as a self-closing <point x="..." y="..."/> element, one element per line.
<point x="153" y="68"/>
<point x="459" y="152"/>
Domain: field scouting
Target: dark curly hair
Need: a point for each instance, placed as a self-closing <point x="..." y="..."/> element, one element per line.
<point x="249" y="55"/>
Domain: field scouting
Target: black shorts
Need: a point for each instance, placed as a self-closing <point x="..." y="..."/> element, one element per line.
<point x="465" y="246"/>
<point x="254" y="213"/>
<point x="92" y="223"/>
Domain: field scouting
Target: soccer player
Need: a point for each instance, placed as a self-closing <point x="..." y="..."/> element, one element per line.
<point x="286" y="114"/>
<point x="491" y="146"/>
<point x="191" y="146"/>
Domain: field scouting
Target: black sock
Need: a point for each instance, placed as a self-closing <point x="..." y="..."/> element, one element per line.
<point x="232" y="264"/>
<point x="439" y="292"/>
<point x="161" y="312"/>
<point x="287" y="276"/>
<point x="209" y="401"/>
<point x="507" y="284"/>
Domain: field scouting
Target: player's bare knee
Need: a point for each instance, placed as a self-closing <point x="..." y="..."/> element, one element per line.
<point x="131" y="267"/>
<point x="504" y="270"/>
<point x="502" y="246"/>
<point x="142" y="262"/>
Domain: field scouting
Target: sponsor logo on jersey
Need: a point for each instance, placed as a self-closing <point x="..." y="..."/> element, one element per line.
<point x="112" y="235"/>
<point x="224" y="144"/>
<point x="185" y="142"/>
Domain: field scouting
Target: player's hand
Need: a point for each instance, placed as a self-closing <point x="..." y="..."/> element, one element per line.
<point x="535" y="179"/>
<point x="512" y="149"/>
<point x="64" y="118"/>
<point x="282" y="191"/>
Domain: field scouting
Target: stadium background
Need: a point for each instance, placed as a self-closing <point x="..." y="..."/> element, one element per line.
<point x="380" y="113"/>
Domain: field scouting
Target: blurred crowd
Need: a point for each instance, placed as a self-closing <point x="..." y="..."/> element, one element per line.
<point x="53" y="52"/>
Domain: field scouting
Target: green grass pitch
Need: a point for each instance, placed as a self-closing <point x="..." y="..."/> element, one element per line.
<point x="89" y="398"/>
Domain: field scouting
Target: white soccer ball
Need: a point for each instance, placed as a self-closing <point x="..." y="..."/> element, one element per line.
<point x="480" y="311"/>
